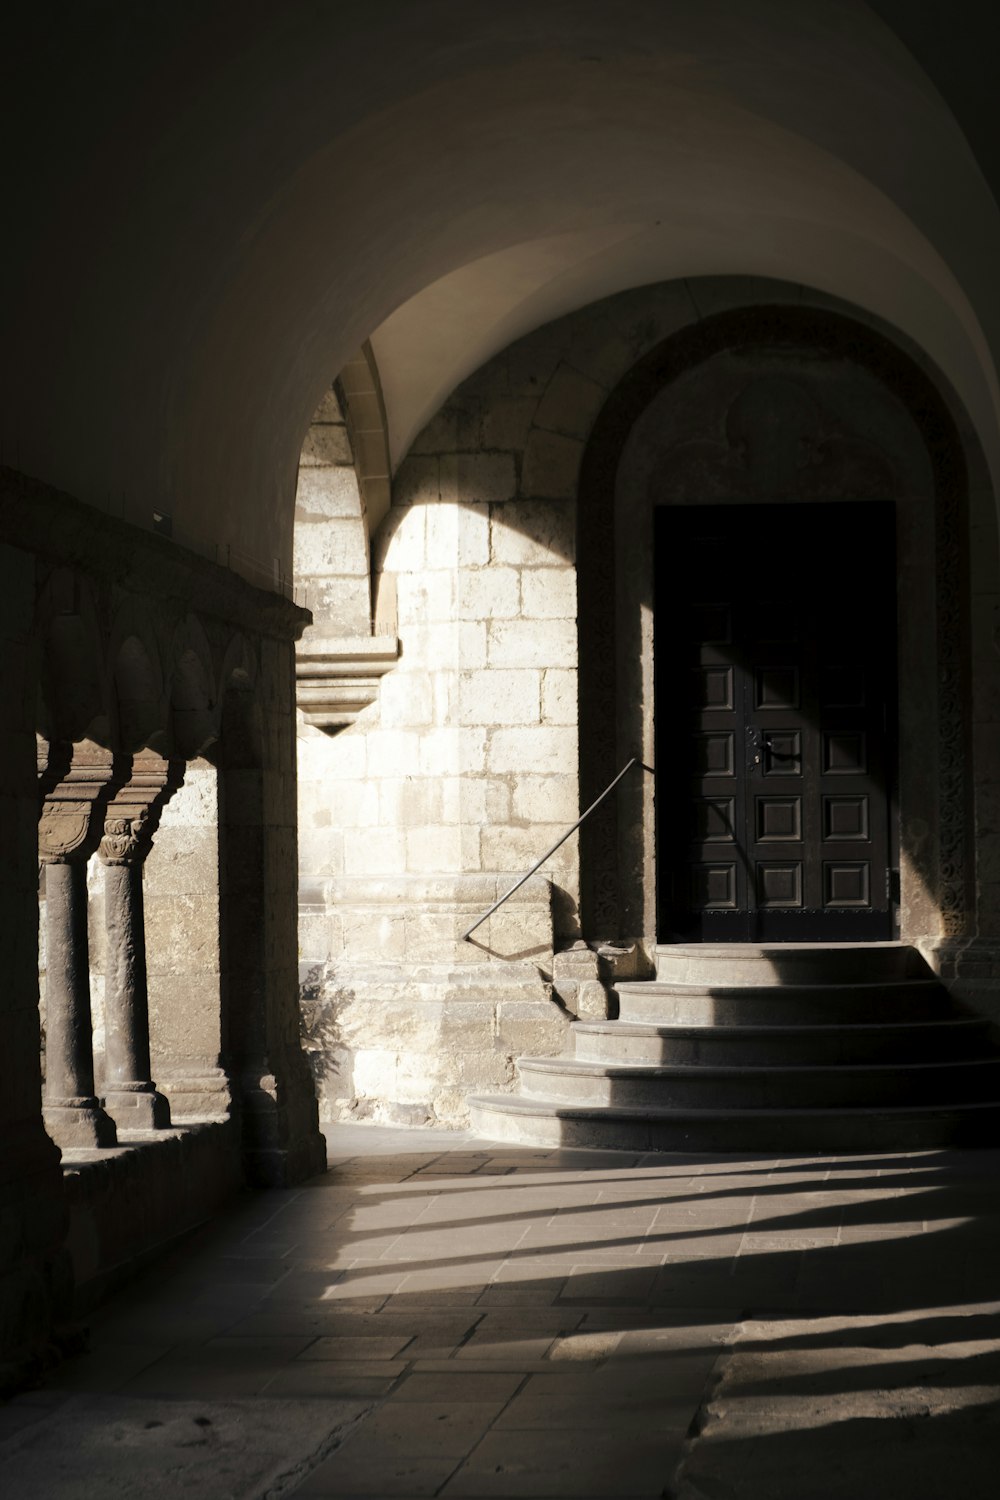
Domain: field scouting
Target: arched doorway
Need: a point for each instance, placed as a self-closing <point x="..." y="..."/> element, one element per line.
<point x="783" y="471"/>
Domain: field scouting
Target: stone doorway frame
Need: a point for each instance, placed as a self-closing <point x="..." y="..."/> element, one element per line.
<point x="617" y="866"/>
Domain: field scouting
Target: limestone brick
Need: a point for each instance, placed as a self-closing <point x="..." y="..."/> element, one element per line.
<point x="321" y="851"/>
<point x="320" y="757"/>
<point x="350" y="804"/>
<point x="472" y="644"/>
<point x="570" y="403"/>
<point x="413" y="802"/>
<point x="513" y="848"/>
<point x="325" y="494"/>
<point x="473" y="536"/>
<point x="416" y="481"/>
<point x="531" y="1028"/>
<point x="435" y="937"/>
<point x="337" y="547"/>
<point x="328" y="409"/>
<point x="533" y="533"/>
<point x="433" y="848"/>
<point x="370" y="851"/>
<point x="551" y="466"/>
<point x="375" y="1074"/>
<point x="406" y="698"/>
<point x="489" y="594"/>
<point x="339" y="605"/>
<point x="498" y="803"/>
<point x="426" y="595"/>
<point x="548" y="594"/>
<point x="326" y="444"/>
<point x="545" y="799"/>
<point x="527" y="643"/>
<point x="368" y="932"/>
<point x="453" y="793"/>
<point x="470" y="838"/>
<point x="392" y="752"/>
<point x="499" y="697"/>
<point x="506" y="422"/>
<point x="478" y="478"/>
<point x="440" y="752"/>
<point x="541" y="749"/>
<point x="442" y="521"/>
<point x="532" y="362"/>
<point x="444" y="694"/>
<point x="399" y="545"/>
<point x="440" y="434"/>
<point x="316" y="937"/>
<point x="559" y="697"/>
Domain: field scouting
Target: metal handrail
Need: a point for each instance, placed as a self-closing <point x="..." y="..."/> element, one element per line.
<point x="549" y="852"/>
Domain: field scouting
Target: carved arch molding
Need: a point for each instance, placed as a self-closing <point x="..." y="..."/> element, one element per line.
<point x="756" y="405"/>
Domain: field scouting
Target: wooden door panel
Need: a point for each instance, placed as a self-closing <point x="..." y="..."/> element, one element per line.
<point x="774" y="707"/>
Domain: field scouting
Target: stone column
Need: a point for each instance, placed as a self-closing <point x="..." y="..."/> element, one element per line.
<point x="276" y="1096"/>
<point x="34" y="1266"/>
<point x="131" y="1096"/>
<point x="71" y="824"/>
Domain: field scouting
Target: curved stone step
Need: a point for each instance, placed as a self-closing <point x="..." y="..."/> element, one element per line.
<point x="891" y="1041"/>
<point x="677" y="1004"/>
<point x="561" y="1080"/>
<point x="778" y="1132"/>
<point x="786" y="963"/>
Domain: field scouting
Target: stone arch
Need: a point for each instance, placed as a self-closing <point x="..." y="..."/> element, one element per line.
<point x="138" y="686"/>
<point x="74" y="701"/>
<point x="618" y="871"/>
<point x="194" y="718"/>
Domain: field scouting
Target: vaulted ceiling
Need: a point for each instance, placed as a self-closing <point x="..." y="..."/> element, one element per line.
<point x="211" y="207"/>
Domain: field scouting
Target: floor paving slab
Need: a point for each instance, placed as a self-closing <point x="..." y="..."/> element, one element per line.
<point x="438" y="1317"/>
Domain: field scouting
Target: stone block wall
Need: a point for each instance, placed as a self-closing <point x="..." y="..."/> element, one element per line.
<point x="331" y="541"/>
<point x="467" y="767"/>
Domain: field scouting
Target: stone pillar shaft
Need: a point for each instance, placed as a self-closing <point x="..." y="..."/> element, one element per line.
<point x="75" y="792"/>
<point x="131" y="1096"/>
<point x="69" y="1055"/>
<point x="126" y="1004"/>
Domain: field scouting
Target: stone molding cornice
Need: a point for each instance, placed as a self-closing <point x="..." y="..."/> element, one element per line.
<point x="336" y="678"/>
<point x="68" y="533"/>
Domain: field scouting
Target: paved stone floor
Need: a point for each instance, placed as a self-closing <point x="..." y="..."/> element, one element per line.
<point x="442" y="1316"/>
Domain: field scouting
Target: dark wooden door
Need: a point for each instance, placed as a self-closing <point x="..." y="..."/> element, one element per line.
<point x="775" y="686"/>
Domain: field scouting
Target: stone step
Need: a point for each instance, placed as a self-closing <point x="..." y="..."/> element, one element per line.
<point x="895" y="1041"/>
<point x="779" y="1048"/>
<point x="674" y="1003"/>
<point x="561" y="1080"/>
<point x="786" y="963"/>
<point x="775" y="1132"/>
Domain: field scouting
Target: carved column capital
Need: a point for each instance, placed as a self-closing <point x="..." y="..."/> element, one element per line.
<point x="133" y="814"/>
<point x="73" y="805"/>
<point x="123" y="842"/>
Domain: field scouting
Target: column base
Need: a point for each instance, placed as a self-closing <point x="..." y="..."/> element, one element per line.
<point x="138" y="1106"/>
<point x="194" y="1092"/>
<point x="79" y="1122"/>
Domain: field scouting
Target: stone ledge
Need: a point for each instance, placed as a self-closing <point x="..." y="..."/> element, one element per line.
<point x="128" y="1203"/>
<point x="336" y="678"/>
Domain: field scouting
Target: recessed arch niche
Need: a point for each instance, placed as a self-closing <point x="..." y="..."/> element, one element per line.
<point x="760" y="404"/>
